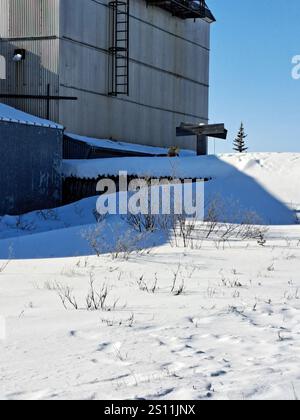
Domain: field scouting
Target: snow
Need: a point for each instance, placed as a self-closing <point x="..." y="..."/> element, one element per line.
<point x="265" y="183"/>
<point x="191" y="167"/>
<point x="10" y="114"/>
<point x="233" y="332"/>
<point x="121" y="145"/>
<point x="183" y="167"/>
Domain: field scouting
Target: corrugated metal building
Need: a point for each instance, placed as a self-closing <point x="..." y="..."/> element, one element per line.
<point x="135" y="81"/>
<point x="31" y="159"/>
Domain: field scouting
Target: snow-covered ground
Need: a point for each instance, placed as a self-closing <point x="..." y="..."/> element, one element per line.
<point x="233" y="333"/>
<point x="202" y="322"/>
<point x="266" y="183"/>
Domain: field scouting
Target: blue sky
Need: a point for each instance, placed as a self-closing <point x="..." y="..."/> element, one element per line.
<point x="252" y="46"/>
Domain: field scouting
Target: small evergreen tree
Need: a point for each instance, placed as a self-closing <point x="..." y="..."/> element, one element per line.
<point x="239" y="143"/>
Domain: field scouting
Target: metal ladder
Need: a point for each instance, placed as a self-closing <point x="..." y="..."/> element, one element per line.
<point x="119" y="49"/>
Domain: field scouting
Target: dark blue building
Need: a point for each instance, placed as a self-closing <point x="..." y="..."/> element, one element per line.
<point x="31" y="158"/>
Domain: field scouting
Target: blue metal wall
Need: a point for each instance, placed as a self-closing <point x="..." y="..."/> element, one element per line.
<point x="30" y="168"/>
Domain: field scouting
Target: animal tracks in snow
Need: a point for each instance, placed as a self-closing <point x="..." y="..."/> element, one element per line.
<point x="215" y="341"/>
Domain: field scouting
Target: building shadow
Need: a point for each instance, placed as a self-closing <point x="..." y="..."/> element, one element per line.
<point x="241" y="194"/>
<point x="30" y="77"/>
<point x="238" y="193"/>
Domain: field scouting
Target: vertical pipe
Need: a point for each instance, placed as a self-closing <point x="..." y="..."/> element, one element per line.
<point x="48" y="102"/>
<point x="202" y="145"/>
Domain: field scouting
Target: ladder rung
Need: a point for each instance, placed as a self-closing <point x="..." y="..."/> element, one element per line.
<point x="120" y="51"/>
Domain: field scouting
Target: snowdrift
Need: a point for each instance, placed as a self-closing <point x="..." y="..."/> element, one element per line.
<point x="265" y="184"/>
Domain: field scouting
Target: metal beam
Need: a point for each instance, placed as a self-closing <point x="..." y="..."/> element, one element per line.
<point x="47" y="98"/>
<point x="203" y="132"/>
<point x="43" y="97"/>
<point x="210" y="130"/>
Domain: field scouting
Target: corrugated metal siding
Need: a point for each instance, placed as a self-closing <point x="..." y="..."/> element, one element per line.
<point x="31" y="18"/>
<point x="32" y="76"/>
<point x="35" y="181"/>
<point x="4" y="18"/>
<point x="168" y="70"/>
<point x="34" y="26"/>
<point x="169" y="74"/>
<point x="73" y="149"/>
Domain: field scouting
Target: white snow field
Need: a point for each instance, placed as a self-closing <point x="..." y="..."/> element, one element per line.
<point x="212" y="320"/>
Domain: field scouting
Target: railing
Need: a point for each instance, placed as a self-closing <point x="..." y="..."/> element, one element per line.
<point x="185" y="9"/>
